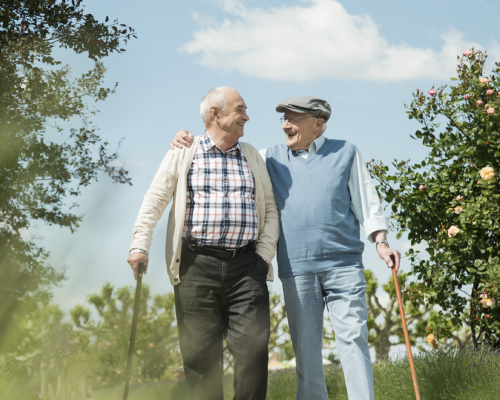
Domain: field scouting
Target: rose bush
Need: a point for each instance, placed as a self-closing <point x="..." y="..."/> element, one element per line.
<point x="458" y="214"/>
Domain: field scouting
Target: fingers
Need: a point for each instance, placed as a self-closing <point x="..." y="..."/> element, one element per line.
<point x="136" y="259"/>
<point x="135" y="268"/>
<point x="396" y="255"/>
<point x="182" y="139"/>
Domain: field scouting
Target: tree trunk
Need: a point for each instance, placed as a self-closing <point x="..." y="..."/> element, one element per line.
<point x="44" y="379"/>
<point x="382" y="347"/>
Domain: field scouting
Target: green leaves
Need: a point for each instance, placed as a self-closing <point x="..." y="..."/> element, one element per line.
<point x="455" y="195"/>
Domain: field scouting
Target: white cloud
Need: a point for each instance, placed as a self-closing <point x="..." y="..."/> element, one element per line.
<point x="317" y="40"/>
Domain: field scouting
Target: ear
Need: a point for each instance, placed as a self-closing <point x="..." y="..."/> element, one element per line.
<point x="214" y="111"/>
<point x="319" y="125"/>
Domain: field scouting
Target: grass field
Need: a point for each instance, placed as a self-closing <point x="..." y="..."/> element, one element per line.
<point x="453" y="375"/>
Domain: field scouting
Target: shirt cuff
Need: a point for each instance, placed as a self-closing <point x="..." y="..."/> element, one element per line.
<point x="375" y="224"/>
<point x="138" y="251"/>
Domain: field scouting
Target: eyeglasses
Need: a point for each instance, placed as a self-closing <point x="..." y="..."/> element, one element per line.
<point x="293" y="121"/>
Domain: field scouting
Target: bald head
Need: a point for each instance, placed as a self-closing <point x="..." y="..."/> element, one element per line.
<point x="217" y="97"/>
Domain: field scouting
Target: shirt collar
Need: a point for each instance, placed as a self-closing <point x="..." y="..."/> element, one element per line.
<point x="206" y="143"/>
<point x="314" y="146"/>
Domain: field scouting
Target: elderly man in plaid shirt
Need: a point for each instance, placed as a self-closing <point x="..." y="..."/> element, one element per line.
<point x="221" y="238"/>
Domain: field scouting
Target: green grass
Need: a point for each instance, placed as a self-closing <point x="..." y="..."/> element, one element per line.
<point x="452" y="375"/>
<point x="157" y="391"/>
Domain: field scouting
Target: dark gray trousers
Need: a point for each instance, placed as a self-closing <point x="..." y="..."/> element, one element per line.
<point x="227" y="297"/>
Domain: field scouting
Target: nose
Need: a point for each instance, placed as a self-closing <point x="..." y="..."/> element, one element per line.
<point x="286" y="124"/>
<point x="245" y="116"/>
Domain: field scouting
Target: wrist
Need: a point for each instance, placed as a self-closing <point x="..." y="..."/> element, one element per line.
<point x="381" y="242"/>
<point x="138" y="251"/>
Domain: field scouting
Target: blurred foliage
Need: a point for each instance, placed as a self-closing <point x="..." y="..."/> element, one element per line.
<point x="64" y="360"/>
<point x="41" y="163"/>
<point x="450" y="201"/>
<point x="156" y="347"/>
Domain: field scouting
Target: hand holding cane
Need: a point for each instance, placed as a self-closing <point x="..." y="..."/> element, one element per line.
<point x="141" y="270"/>
<point x="405" y="328"/>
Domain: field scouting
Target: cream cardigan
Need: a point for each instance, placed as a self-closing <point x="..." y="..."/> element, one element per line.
<point x="171" y="180"/>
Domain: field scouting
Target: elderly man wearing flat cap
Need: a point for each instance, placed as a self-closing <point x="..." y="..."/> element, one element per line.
<point x="324" y="192"/>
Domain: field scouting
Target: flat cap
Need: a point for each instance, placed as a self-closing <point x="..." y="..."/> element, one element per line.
<point x="307" y="104"/>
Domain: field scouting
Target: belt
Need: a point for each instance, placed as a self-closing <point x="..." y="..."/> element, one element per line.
<point x="221" y="252"/>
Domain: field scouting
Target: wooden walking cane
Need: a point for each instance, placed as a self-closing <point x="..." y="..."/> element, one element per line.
<point x="135" y="315"/>
<point x="405" y="328"/>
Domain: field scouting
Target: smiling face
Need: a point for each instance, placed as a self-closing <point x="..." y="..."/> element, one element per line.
<point x="234" y="117"/>
<point x="301" y="129"/>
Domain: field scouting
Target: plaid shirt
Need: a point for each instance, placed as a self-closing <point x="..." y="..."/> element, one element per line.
<point x="220" y="207"/>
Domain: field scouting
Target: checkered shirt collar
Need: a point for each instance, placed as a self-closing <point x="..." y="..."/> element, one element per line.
<point x="206" y="143"/>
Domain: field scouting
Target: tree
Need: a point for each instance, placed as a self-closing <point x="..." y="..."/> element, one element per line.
<point x="389" y="325"/>
<point x="450" y="201"/>
<point x="156" y="346"/>
<point x="52" y="359"/>
<point x="41" y="164"/>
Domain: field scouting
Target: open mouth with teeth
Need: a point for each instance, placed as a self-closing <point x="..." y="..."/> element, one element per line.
<point x="291" y="134"/>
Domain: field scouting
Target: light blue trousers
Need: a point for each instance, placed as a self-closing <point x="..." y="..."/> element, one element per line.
<point x="343" y="292"/>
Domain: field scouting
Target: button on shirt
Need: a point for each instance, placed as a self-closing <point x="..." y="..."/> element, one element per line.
<point x="365" y="203"/>
<point x="220" y="204"/>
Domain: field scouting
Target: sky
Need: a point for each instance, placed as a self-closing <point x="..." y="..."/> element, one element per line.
<point x="365" y="58"/>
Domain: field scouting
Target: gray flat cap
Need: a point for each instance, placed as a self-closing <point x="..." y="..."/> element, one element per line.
<point x="307" y="104"/>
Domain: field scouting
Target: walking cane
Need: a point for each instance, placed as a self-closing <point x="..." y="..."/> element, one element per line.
<point x="405" y="328"/>
<point x="142" y="268"/>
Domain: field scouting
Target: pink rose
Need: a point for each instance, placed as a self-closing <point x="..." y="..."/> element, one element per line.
<point x="450" y="209"/>
<point x="467" y="96"/>
<point x="432" y="92"/>
<point x="490" y="110"/>
<point x="421" y="187"/>
<point x="479" y="103"/>
<point x="489" y="91"/>
<point x="484" y="80"/>
<point x="467" y="53"/>
<point x="459" y="198"/>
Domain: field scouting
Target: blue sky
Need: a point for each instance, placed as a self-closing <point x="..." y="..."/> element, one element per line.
<point x="365" y="57"/>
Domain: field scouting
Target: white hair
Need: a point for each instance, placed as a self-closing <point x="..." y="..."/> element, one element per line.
<point x="217" y="97"/>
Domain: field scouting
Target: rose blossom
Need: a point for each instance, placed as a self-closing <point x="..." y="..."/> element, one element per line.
<point x="450" y="209"/>
<point x="487" y="302"/>
<point x="421" y="187"/>
<point x="487" y="173"/>
<point x="432" y="92"/>
<point x="467" y="53"/>
<point x="453" y="231"/>
<point x="459" y="198"/>
<point x="484" y="80"/>
<point x="467" y="96"/>
<point x="458" y="209"/>
<point x="430" y="337"/>
<point x="490" y="91"/>
<point x="479" y="103"/>
<point x="490" y="110"/>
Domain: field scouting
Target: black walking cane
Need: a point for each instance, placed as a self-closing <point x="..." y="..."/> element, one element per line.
<point x="141" y="270"/>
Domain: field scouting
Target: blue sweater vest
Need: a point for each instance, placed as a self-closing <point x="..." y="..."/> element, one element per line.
<point x="318" y="231"/>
